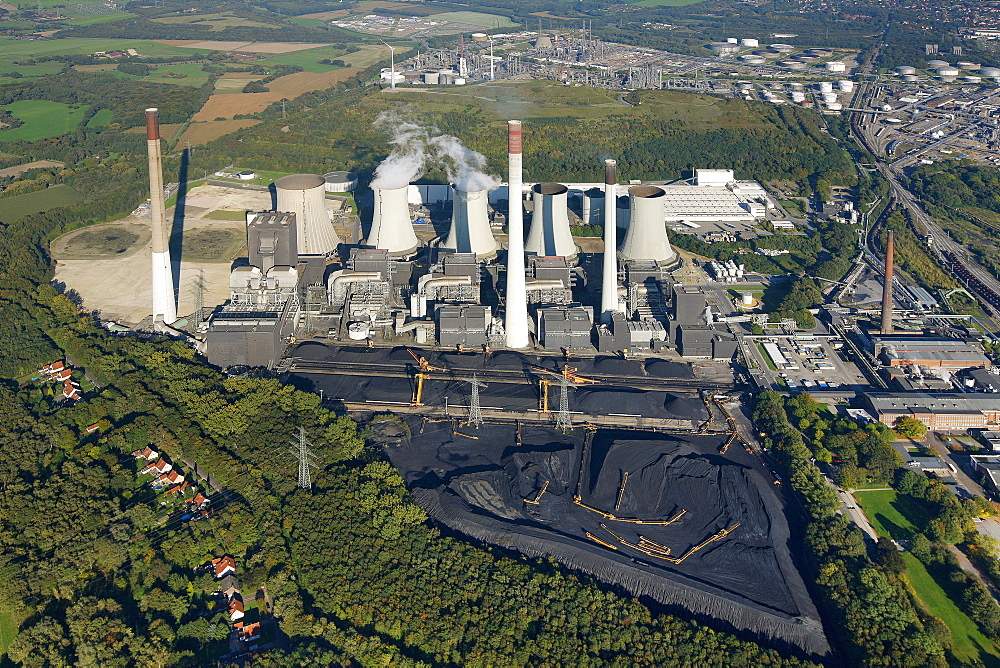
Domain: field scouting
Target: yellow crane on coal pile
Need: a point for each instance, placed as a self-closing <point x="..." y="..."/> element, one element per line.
<point x="423" y="373"/>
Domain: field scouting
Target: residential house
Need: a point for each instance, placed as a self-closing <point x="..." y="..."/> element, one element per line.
<point x="199" y="501"/>
<point x="178" y="489"/>
<point x="52" y="369"/>
<point x="168" y="478"/>
<point x="159" y="467"/>
<point x="247" y="632"/>
<point x="147" y="453"/>
<point x="229" y="586"/>
<point x="62" y="375"/>
<point x="71" y="391"/>
<point x="94" y="427"/>
<point x="235" y="609"/>
<point x="223" y="566"/>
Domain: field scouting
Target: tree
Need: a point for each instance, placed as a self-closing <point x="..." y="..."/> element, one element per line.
<point x="909" y="427"/>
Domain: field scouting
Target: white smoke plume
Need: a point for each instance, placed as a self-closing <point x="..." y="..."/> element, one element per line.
<point x="414" y="145"/>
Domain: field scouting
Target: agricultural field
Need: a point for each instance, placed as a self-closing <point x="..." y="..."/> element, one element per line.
<point x="216" y="22"/>
<point x="12" y="208"/>
<point x="198" y="134"/>
<point x="179" y="74"/>
<point x="226" y="105"/>
<point x="42" y="119"/>
<point x="475" y="19"/>
<point x="20" y="169"/>
<point x="167" y="130"/>
<point x="665" y="3"/>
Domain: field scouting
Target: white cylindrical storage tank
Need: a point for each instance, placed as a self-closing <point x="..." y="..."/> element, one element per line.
<point x="829" y="97"/>
<point x="391" y="225"/>
<point x="470" y="225"/>
<point x="768" y="53"/>
<point x="968" y="66"/>
<point x="724" y="48"/>
<point x="973" y="78"/>
<point x="836" y="66"/>
<point x="990" y="72"/>
<point x="246" y="175"/>
<point x="550" y="233"/>
<point x="798" y="96"/>
<point x="432" y="78"/>
<point x="782" y="48"/>
<point x="358" y="330"/>
<point x="947" y="71"/>
<point x="934" y="64"/>
<point x="834" y="106"/>
<point x="825" y="87"/>
<point x="909" y="77"/>
<point x="480" y="37"/>
<point x="906" y="69"/>
<point x="746" y="298"/>
<point x="340" y="182"/>
<point x="754" y="60"/>
<point x="732" y="40"/>
<point x="793" y="65"/>
<point x="593" y="207"/>
<point x="846" y="86"/>
<point x="305" y="196"/>
<point x="749" y="42"/>
<point x="646" y="238"/>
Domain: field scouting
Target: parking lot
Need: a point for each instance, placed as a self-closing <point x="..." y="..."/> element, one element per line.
<point x="807" y="362"/>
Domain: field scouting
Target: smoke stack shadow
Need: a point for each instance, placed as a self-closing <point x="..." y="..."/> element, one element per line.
<point x="176" y="241"/>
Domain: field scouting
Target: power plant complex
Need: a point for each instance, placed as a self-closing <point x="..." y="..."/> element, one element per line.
<point x="464" y="284"/>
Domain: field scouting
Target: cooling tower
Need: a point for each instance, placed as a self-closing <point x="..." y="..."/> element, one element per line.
<point x="305" y="196"/>
<point x="646" y="238"/>
<point x="593" y="207"/>
<point x="164" y="302"/>
<point x="516" y="315"/>
<point x="550" y="233"/>
<point x="470" y="225"/>
<point x="391" y="225"/>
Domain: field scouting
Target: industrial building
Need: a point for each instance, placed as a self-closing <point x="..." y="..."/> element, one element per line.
<point x="941" y="411"/>
<point x="932" y="352"/>
<point x="715" y="196"/>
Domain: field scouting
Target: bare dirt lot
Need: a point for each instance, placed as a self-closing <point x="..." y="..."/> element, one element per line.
<point x="114" y="279"/>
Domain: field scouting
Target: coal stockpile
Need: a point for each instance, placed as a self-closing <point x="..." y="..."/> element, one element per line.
<point x="661" y="516"/>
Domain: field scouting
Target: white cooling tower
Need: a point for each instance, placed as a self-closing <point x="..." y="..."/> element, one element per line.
<point x="470" y="225"/>
<point x="391" y="225"/>
<point x="550" y="233"/>
<point x="305" y="196"/>
<point x="646" y="238"/>
<point x="593" y="207"/>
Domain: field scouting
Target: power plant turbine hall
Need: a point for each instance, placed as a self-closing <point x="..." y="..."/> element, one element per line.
<point x="164" y="294"/>
<point x="516" y="317"/>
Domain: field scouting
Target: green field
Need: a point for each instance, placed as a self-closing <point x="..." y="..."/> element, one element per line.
<point x="475" y="19"/>
<point x="969" y="645"/>
<point x="666" y="3"/>
<point x="102" y="117"/>
<point x="8" y="629"/>
<point x="18" y="49"/>
<point x="42" y="119"/>
<point x="890" y="513"/>
<point x="12" y="208"/>
<point x="307" y="59"/>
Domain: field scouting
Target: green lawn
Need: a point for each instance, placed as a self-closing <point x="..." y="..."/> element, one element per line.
<point x="475" y="19"/>
<point x="307" y="59"/>
<point x="42" y="119"/>
<point x="892" y="515"/>
<point x="102" y="117"/>
<point x="8" y="629"/>
<point x="12" y="208"/>
<point x="969" y="645"/>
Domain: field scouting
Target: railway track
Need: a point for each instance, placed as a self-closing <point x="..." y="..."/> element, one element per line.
<point x="515" y="376"/>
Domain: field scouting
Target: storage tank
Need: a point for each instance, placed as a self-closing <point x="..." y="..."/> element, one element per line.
<point x="470" y="225"/>
<point x="358" y="330"/>
<point x="724" y="48"/>
<point x="829" y="97"/>
<point x="550" y="233"/>
<point x="906" y="69"/>
<point x="433" y="78"/>
<point x="480" y="37"/>
<point x="782" y="48"/>
<point x="798" y="96"/>
<point x="820" y="53"/>
<point x="749" y="42"/>
<point x="947" y="71"/>
<point x="793" y="65"/>
<point x="846" y="86"/>
<point x="834" y="106"/>
<point x="732" y="40"/>
<point x="910" y="77"/>
<point x="646" y="238"/>
<point x="754" y="60"/>
<point x="593" y="207"/>
<point x="825" y="86"/>
<point x="391" y="225"/>
<point x="972" y="78"/>
<point x="934" y="64"/>
<point x="836" y="66"/>
<point x="305" y="196"/>
<point x="767" y="53"/>
<point x="990" y="72"/>
<point x="340" y="182"/>
<point x="968" y="66"/>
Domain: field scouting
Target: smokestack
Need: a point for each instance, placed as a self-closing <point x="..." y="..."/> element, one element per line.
<point x="391" y="225"/>
<point x="516" y="317"/>
<point x="164" y="301"/>
<point x="470" y="225"/>
<point x="305" y="196"/>
<point x="550" y="233"/>
<point x="609" y="287"/>
<point x="646" y="238"/>
<point x="890" y="247"/>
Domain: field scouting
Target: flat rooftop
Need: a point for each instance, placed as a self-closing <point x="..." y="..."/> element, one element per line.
<point x="937" y="402"/>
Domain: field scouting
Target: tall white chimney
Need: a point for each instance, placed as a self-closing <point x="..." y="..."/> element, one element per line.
<point x="164" y="293"/>
<point x="516" y="316"/>
<point x="391" y="226"/>
<point x="550" y="233"/>
<point x="609" y="286"/>
<point x="305" y="196"/>
<point x="470" y="225"/>
<point x="646" y="238"/>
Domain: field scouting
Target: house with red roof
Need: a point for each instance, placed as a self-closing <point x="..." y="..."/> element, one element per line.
<point x="199" y="501"/>
<point x="62" y="375"/>
<point x="147" y="453"/>
<point x="159" y="467"/>
<point x="178" y="489"/>
<point x="223" y="566"/>
<point x="169" y="478"/>
<point x="235" y="609"/>
<point x="247" y="632"/>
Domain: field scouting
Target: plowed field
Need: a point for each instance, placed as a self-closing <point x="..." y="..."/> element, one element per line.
<point x="291" y="86"/>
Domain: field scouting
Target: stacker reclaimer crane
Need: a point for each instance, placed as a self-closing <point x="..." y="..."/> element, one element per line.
<point x="566" y="378"/>
<point x="423" y="373"/>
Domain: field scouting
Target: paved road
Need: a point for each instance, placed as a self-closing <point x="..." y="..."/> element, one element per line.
<point x="971" y="569"/>
<point x="850" y="508"/>
<point x="960" y="464"/>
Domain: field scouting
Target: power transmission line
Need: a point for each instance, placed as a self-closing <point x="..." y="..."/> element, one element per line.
<point x="301" y="451"/>
<point x="475" y="413"/>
